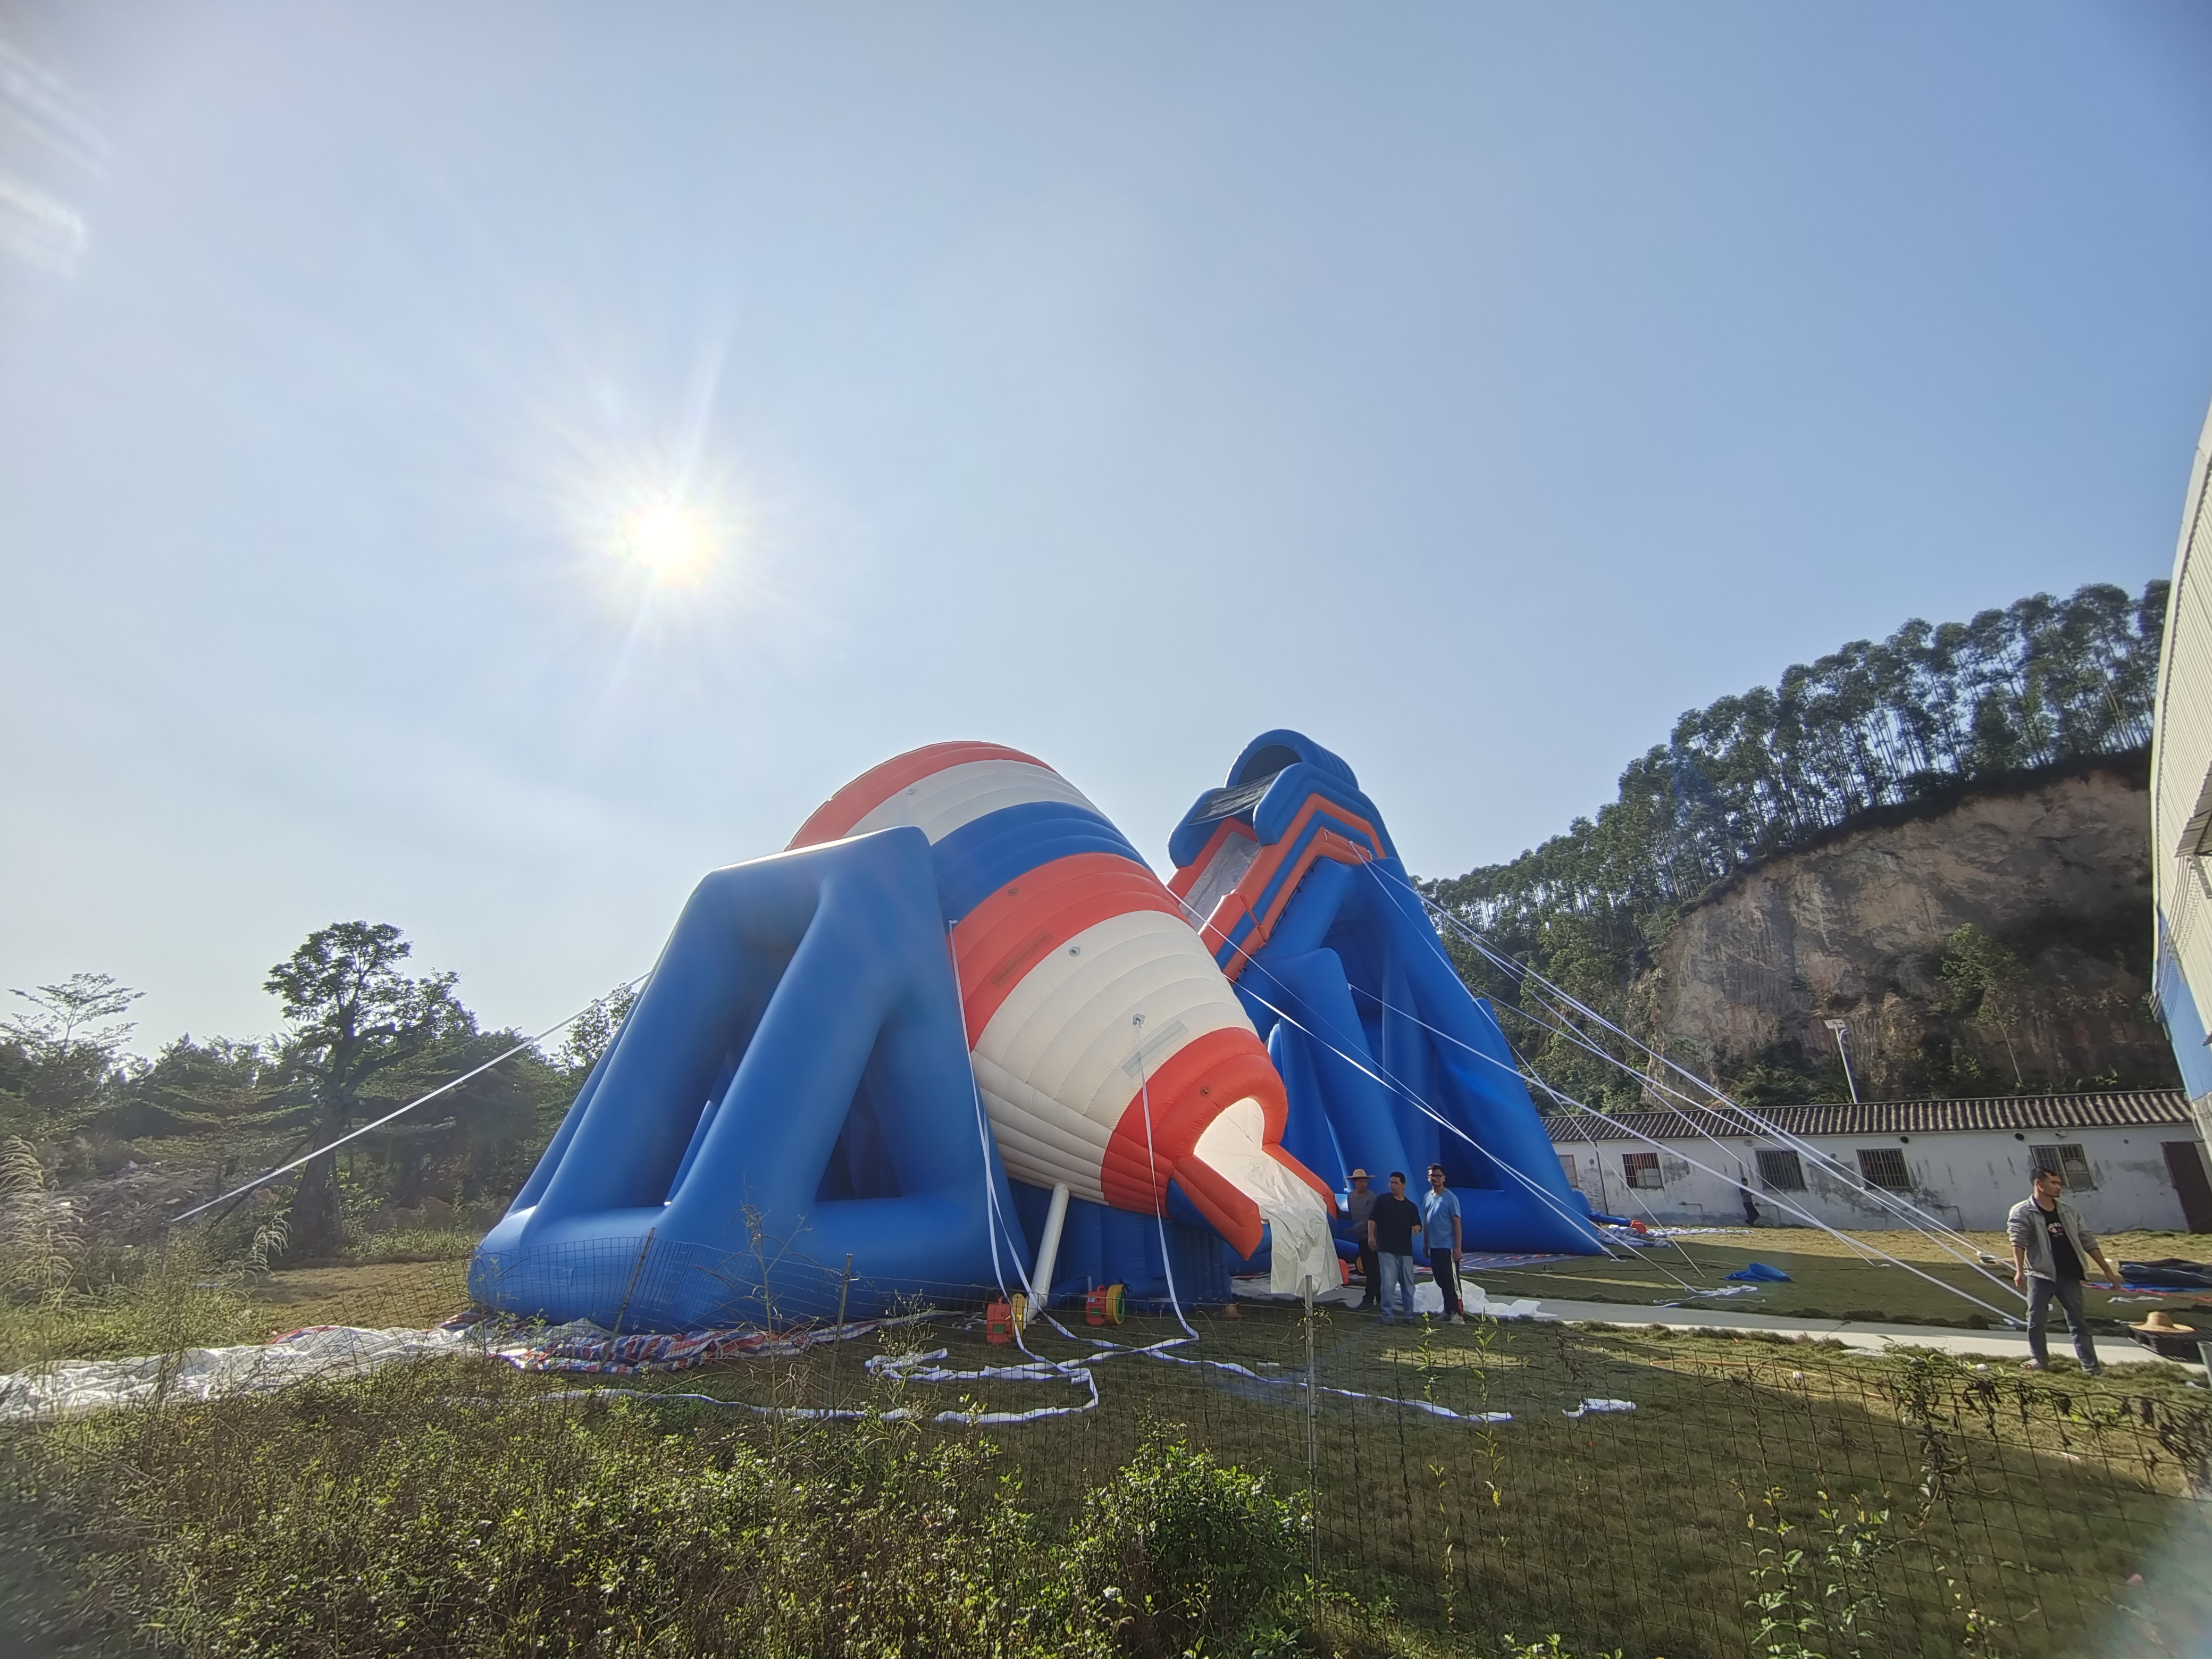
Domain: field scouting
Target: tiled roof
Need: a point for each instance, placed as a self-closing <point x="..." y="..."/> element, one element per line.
<point x="1887" y="1117"/>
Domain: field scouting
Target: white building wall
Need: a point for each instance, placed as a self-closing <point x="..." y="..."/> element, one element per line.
<point x="2181" y="758"/>
<point x="1968" y="1179"/>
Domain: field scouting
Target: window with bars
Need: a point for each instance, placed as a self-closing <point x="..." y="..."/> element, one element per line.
<point x="1641" y="1169"/>
<point x="1781" y="1171"/>
<point x="1571" y="1171"/>
<point x="2072" y="1162"/>
<point x="1884" y="1166"/>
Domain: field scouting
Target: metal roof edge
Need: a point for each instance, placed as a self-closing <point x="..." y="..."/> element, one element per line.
<point x="2116" y="1109"/>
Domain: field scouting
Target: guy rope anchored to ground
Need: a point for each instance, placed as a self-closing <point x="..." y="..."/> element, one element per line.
<point x="305" y="1159"/>
<point x="1919" y="1221"/>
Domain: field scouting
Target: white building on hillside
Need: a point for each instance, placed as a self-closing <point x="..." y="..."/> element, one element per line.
<point x="2131" y="1160"/>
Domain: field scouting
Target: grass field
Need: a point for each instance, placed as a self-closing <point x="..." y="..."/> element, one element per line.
<point x="1832" y="1278"/>
<point x="1907" y="1504"/>
<point x="194" y="1303"/>
<point x="1572" y="1523"/>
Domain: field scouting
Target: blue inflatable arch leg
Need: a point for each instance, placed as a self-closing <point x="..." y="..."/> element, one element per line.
<point x="793" y="1086"/>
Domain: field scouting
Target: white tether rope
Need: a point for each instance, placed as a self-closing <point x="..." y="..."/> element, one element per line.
<point x="1903" y="1206"/>
<point x="420" y="1100"/>
<point x="1779" y="1203"/>
<point x="1160" y="1199"/>
<point x="1409" y="1096"/>
<point x="1694" y="1162"/>
<point x="1919" y="1220"/>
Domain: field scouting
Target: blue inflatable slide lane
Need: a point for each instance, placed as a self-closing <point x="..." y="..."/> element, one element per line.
<point x="960" y="1033"/>
<point x="1389" y="1062"/>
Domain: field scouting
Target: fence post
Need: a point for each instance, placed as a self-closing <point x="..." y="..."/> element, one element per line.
<point x="623" y="1312"/>
<point x="1313" y="1455"/>
<point x="837" y="1342"/>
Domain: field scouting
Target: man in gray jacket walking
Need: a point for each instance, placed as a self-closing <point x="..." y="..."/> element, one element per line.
<point x="2050" y="1243"/>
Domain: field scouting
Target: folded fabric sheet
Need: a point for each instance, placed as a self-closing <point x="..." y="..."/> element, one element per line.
<point x="1591" y="1406"/>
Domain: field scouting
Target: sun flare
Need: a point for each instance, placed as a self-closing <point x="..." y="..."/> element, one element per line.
<point x="669" y="542"/>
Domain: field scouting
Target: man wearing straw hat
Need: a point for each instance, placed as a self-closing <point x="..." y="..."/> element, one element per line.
<point x="2050" y="1243"/>
<point x="1358" y="1208"/>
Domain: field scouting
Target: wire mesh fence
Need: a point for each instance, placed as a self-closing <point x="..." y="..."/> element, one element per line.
<point x="1624" y="1487"/>
<point x="1902" y="1505"/>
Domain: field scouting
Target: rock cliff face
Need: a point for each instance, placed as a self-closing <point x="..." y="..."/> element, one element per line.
<point x="2053" y="873"/>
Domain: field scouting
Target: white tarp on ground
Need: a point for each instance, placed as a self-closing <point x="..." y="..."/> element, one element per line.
<point x="70" y="1387"/>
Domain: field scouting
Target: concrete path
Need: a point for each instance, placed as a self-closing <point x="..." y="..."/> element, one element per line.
<point x="1991" y="1345"/>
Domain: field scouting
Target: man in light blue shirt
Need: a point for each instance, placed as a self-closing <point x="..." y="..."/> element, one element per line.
<point x="1440" y="1231"/>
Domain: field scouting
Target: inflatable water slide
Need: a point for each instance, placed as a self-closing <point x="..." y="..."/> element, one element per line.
<point x="958" y="1038"/>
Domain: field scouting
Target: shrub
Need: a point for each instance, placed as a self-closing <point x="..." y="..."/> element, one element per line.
<point x="1182" y="1554"/>
<point x="446" y="1509"/>
<point x="452" y="1507"/>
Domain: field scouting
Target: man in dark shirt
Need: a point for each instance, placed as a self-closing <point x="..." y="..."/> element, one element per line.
<point x="1357" y="1209"/>
<point x="2050" y="1242"/>
<point x="1390" y="1229"/>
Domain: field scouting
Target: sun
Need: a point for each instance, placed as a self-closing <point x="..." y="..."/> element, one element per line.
<point x="669" y="542"/>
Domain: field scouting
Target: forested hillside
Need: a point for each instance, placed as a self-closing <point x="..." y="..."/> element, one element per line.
<point x="1919" y="720"/>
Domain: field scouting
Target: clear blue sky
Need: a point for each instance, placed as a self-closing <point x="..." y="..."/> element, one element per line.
<point x="1475" y="388"/>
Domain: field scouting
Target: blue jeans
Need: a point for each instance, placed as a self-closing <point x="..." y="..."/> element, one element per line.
<point x="2040" y="1291"/>
<point x="1397" y="1284"/>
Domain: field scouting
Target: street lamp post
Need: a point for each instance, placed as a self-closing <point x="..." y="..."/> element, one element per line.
<point x="1839" y="1027"/>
